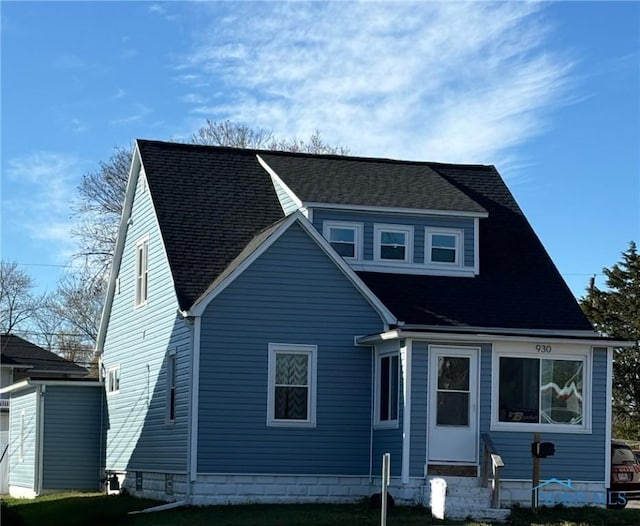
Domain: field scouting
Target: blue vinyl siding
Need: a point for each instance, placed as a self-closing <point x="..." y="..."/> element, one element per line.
<point x="293" y="293"/>
<point x="139" y="340"/>
<point x="22" y="472"/>
<point x="419" y="224"/>
<point x="73" y="447"/>
<point x="419" y="397"/>
<point x="579" y="457"/>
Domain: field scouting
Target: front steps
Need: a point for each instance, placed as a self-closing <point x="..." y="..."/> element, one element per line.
<point x="465" y="497"/>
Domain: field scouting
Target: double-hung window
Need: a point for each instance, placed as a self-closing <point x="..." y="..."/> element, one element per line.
<point x="387" y="388"/>
<point x="541" y="392"/>
<point x="443" y="246"/>
<point x="171" y="387"/>
<point x="142" y="271"/>
<point x="113" y="379"/>
<point x="393" y="243"/>
<point x="291" y="399"/>
<point x="345" y="238"/>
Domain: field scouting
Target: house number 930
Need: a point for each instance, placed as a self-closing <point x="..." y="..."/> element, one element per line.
<point x="543" y="348"/>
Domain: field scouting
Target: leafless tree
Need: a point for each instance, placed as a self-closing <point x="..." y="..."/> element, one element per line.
<point x="18" y="303"/>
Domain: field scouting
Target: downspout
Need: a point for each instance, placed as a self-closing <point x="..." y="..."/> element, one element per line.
<point x="407" y="351"/>
<point x="373" y="394"/>
<point x="195" y="403"/>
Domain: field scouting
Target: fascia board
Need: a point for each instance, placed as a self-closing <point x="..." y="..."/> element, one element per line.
<point x="386" y="315"/>
<point x="132" y="181"/>
<point x="27" y="382"/>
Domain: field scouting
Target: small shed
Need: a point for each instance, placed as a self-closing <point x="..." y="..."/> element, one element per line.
<point x="55" y="436"/>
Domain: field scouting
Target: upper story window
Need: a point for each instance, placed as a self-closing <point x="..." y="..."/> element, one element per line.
<point x="393" y="243"/>
<point x="443" y="246"/>
<point x="345" y="238"/>
<point x="113" y="379"/>
<point x="142" y="271"/>
<point x="291" y="399"/>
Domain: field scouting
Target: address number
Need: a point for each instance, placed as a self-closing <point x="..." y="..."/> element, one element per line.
<point x="543" y="348"/>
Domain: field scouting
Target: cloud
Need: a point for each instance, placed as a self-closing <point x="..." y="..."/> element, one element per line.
<point x="449" y="81"/>
<point x="43" y="186"/>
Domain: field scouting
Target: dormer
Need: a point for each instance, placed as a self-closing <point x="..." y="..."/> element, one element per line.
<point x="382" y="215"/>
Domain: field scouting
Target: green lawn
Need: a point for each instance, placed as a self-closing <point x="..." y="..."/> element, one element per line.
<point x="91" y="509"/>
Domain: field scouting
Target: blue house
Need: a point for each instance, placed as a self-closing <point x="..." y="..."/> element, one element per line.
<point x="275" y="322"/>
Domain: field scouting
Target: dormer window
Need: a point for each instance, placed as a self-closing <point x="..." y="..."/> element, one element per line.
<point x="443" y="247"/>
<point x="345" y="238"/>
<point x="393" y="243"/>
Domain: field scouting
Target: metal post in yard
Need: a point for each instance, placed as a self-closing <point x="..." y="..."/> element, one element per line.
<point x="386" y="473"/>
<point x="535" y="478"/>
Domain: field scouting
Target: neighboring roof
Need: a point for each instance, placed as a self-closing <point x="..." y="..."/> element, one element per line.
<point x="18" y="352"/>
<point x="212" y="203"/>
<point x="369" y="182"/>
<point x="518" y="285"/>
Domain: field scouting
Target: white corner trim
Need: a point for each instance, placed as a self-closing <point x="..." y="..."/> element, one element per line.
<point x="195" y="401"/>
<point x="406" y="357"/>
<point x="275" y="178"/>
<point x="476" y="246"/>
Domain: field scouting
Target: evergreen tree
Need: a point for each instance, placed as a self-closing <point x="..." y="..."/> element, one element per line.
<point x="616" y="313"/>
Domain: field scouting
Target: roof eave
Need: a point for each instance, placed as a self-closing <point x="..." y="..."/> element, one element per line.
<point x="396" y="210"/>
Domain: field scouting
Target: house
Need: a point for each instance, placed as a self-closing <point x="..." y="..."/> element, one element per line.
<point x="41" y="450"/>
<point x="275" y="322"/>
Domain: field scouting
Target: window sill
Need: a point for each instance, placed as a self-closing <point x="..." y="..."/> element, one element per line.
<point x="291" y="424"/>
<point x="540" y="428"/>
<point x="391" y="424"/>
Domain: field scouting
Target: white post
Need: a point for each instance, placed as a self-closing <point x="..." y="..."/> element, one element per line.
<point x="386" y="474"/>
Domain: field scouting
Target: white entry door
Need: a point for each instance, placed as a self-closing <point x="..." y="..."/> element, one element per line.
<point x="453" y="404"/>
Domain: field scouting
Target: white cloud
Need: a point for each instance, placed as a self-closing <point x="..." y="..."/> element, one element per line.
<point x="448" y="81"/>
<point x="43" y="186"/>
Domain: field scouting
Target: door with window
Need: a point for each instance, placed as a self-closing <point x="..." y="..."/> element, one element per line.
<point x="453" y="404"/>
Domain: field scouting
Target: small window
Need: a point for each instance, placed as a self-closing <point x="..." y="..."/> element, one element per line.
<point x="345" y="238"/>
<point x="443" y="247"/>
<point x="388" y="385"/>
<point x="142" y="271"/>
<point x="171" y="387"/>
<point x="113" y="379"/>
<point x="393" y="243"/>
<point x="291" y="397"/>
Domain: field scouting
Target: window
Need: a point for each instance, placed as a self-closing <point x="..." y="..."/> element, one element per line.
<point x="443" y="246"/>
<point x="388" y="385"/>
<point x="171" y="387"/>
<point x="113" y="379"/>
<point x="541" y="391"/>
<point x="345" y="238"/>
<point x="393" y="243"/>
<point x="142" y="271"/>
<point x="291" y="397"/>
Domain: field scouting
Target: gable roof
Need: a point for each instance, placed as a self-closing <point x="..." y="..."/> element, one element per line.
<point x="20" y="353"/>
<point x="213" y="204"/>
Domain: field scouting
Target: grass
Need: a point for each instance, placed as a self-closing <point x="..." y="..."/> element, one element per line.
<point x="93" y="509"/>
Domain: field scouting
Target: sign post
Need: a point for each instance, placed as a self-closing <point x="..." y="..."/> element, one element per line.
<point x="386" y="474"/>
<point x="535" y="478"/>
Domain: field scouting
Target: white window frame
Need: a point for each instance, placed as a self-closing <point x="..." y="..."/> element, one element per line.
<point x="532" y="351"/>
<point x="377" y="421"/>
<point x="142" y="271"/>
<point x="172" y="391"/>
<point x="457" y="233"/>
<point x="378" y="229"/>
<point x="113" y="373"/>
<point x="311" y="351"/>
<point x="357" y="228"/>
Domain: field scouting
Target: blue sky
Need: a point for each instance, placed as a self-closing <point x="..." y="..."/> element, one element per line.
<point x="548" y="92"/>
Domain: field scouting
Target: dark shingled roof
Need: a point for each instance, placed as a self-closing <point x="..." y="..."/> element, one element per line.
<point x="518" y="286"/>
<point x="369" y="182"/>
<point x="213" y="202"/>
<point x="19" y="352"/>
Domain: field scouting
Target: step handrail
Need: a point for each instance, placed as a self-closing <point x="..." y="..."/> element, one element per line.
<point x="490" y="453"/>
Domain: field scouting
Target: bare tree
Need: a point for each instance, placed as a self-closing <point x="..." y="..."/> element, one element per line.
<point x="17" y="300"/>
<point x="233" y="134"/>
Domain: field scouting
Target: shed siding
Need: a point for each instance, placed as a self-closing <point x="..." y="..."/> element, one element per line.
<point x="139" y="340"/>
<point x="22" y="472"/>
<point x="293" y="293"/>
<point x="72" y="450"/>
<point x="419" y="223"/>
<point x="579" y="457"/>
